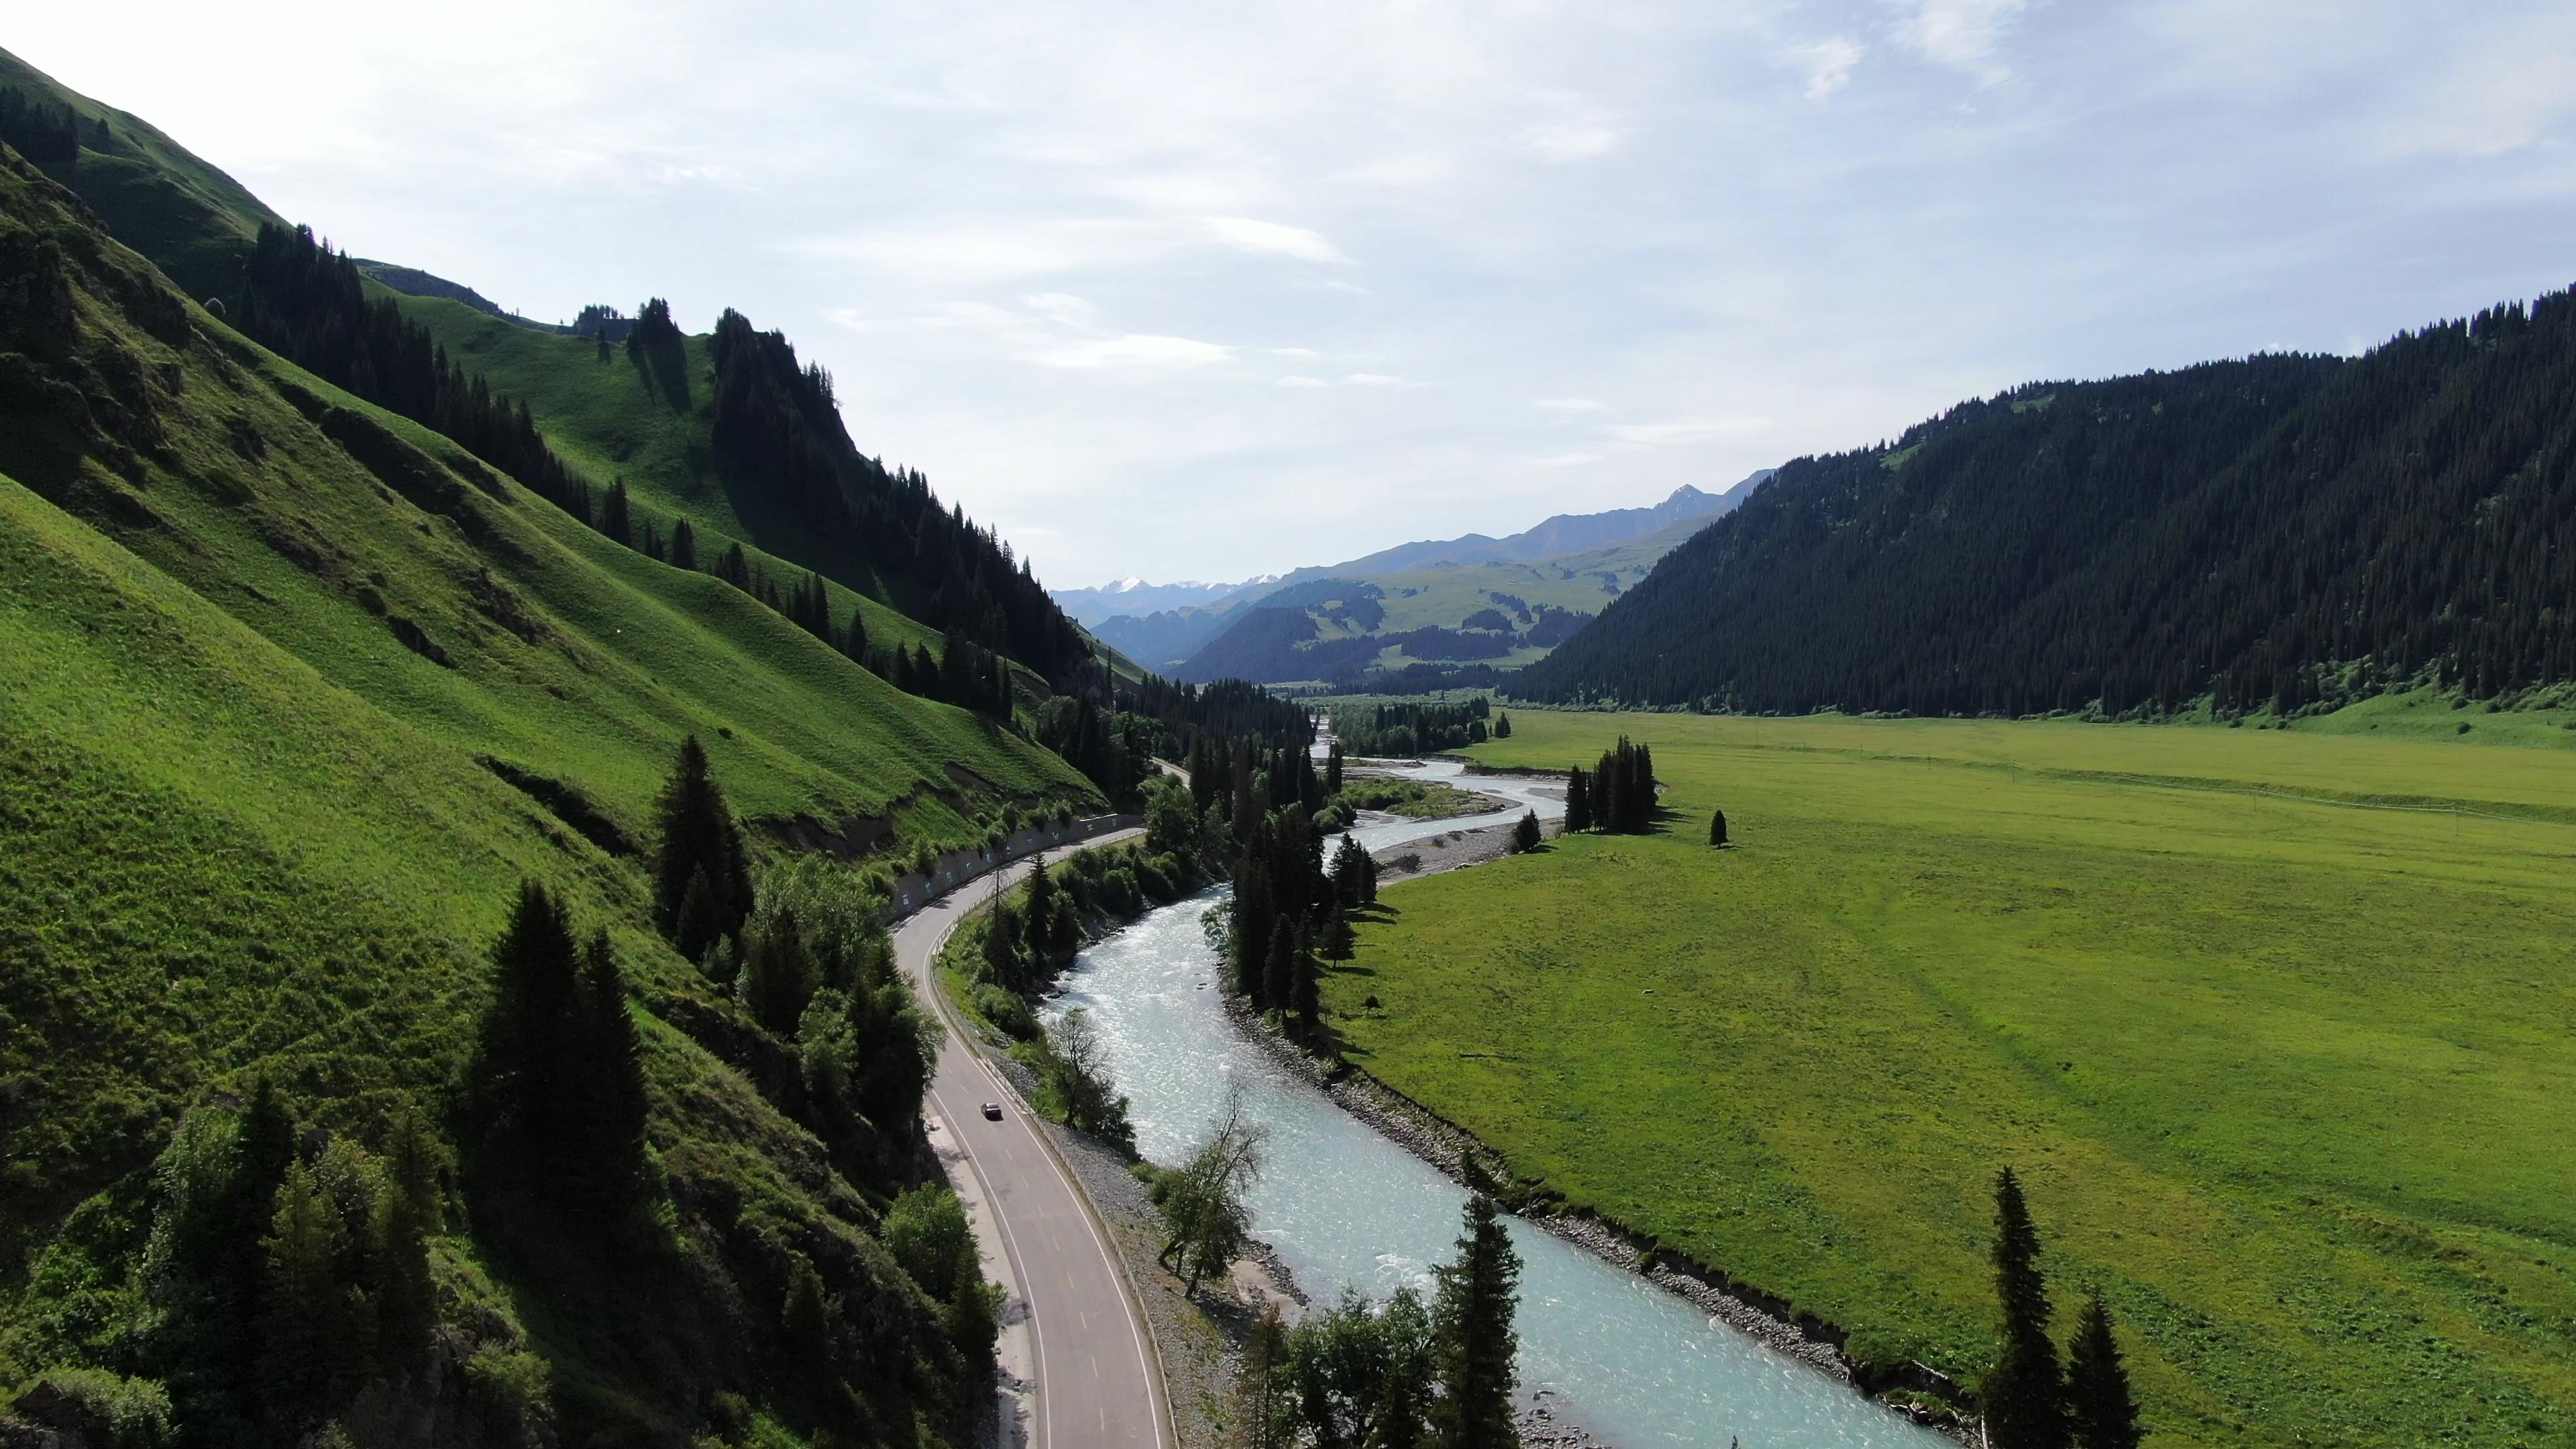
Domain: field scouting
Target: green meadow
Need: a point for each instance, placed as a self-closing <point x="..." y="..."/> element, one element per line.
<point x="2279" y="1027"/>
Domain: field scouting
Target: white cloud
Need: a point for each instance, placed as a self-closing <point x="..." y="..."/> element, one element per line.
<point x="1827" y="65"/>
<point x="1572" y="130"/>
<point x="1961" y="34"/>
<point x="1043" y="249"/>
<point x="1270" y="238"/>
<point x="1132" y="350"/>
<point x="1060" y="306"/>
<point x="1682" y="430"/>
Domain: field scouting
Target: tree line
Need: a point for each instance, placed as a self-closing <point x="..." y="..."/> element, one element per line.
<point x="1411" y="729"/>
<point x="779" y="438"/>
<point x="1617" y="796"/>
<point x="48" y="135"/>
<point x="306" y="301"/>
<point x="2284" y="533"/>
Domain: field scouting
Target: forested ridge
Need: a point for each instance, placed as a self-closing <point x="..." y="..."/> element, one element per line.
<point x="2282" y="532"/>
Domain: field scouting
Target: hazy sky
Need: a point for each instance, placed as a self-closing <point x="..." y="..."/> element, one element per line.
<point x="1198" y="291"/>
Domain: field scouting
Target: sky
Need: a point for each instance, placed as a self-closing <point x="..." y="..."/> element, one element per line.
<point x="1190" y="291"/>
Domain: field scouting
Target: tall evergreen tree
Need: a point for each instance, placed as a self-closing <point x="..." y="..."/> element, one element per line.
<point x="608" y="1106"/>
<point x="779" y="975"/>
<point x="1306" y="996"/>
<point x="614" y="519"/>
<point x="2024" y="1393"/>
<point x="518" y="1070"/>
<point x="854" y="640"/>
<point x="2101" y="1412"/>
<point x="1333" y="769"/>
<point x="1717" y="828"/>
<point x="312" y="1328"/>
<point x="684" y="546"/>
<point x="407" y="1214"/>
<point x="699" y="834"/>
<point x="1002" y="945"/>
<point x="1526" y="835"/>
<point x="1578" y="802"/>
<point x="1279" y="968"/>
<point x="1502" y="726"/>
<point x="1473" y="1341"/>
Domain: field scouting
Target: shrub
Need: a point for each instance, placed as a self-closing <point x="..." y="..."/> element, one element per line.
<point x="106" y="1411"/>
<point x="507" y="1389"/>
<point x="1005" y="1010"/>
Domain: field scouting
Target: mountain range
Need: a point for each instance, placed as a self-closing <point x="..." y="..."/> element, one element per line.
<point x="1471" y="598"/>
<point x="2278" y="535"/>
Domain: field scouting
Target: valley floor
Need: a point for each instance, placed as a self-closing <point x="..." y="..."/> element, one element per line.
<point x="2276" y="1026"/>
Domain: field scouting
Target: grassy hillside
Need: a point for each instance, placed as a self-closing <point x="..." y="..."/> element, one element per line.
<point x="610" y="418"/>
<point x="2274" y="1025"/>
<point x="266" y="645"/>
<point x="189" y="217"/>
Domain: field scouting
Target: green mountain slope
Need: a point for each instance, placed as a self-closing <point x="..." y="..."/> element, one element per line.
<point x="156" y="197"/>
<point x="267" y="646"/>
<point x="2283" y="534"/>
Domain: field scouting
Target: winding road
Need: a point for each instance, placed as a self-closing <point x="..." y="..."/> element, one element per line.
<point x="1079" y="1363"/>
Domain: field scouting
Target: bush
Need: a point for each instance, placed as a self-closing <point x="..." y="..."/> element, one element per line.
<point x="507" y="1389"/>
<point x="1005" y="1010"/>
<point x="106" y="1411"/>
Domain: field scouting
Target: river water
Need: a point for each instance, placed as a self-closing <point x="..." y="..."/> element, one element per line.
<point x="1347" y="1208"/>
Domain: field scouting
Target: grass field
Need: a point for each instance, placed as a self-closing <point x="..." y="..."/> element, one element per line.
<point x="2279" y="1026"/>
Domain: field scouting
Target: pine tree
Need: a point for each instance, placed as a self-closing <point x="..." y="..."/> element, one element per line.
<point x="1333" y="769"/>
<point x="1306" y="991"/>
<point x="1043" y="943"/>
<point x="613" y="518"/>
<point x="1279" y="968"/>
<point x="779" y="977"/>
<point x="2024" y="1393"/>
<point x="2101" y="1412"/>
<point x="701" y="919"/>
<point x="517" y="1076"/>
<point x="1473" y="1342"/>
<point x="1340" y="944"/>
<point x="609" y="1107"/>
<point x="407" y="1213"/>
<point x="310" y="1327"/>
<point x="854" y="641"/>
<point x="1502" y="726"/>
<point x="699" y="833"/>
<point x="1002" y="945"/>
<point x="1717" y="828"/>
<point x="1526" y="835"/>
<point x="1578" y="802"/>
<point x="684" y="546"/>
<point x="805" y="1322"/>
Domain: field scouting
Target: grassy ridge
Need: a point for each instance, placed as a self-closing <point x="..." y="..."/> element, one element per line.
<point x="611" y="418"/>
<point x="248" y="829"/>
<point x="2290" y="1076"/>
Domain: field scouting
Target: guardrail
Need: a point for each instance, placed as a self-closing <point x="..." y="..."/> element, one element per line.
<point x="913" y="890"/>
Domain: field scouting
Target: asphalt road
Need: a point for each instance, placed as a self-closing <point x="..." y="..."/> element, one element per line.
<point x="1088" y="1369"/>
